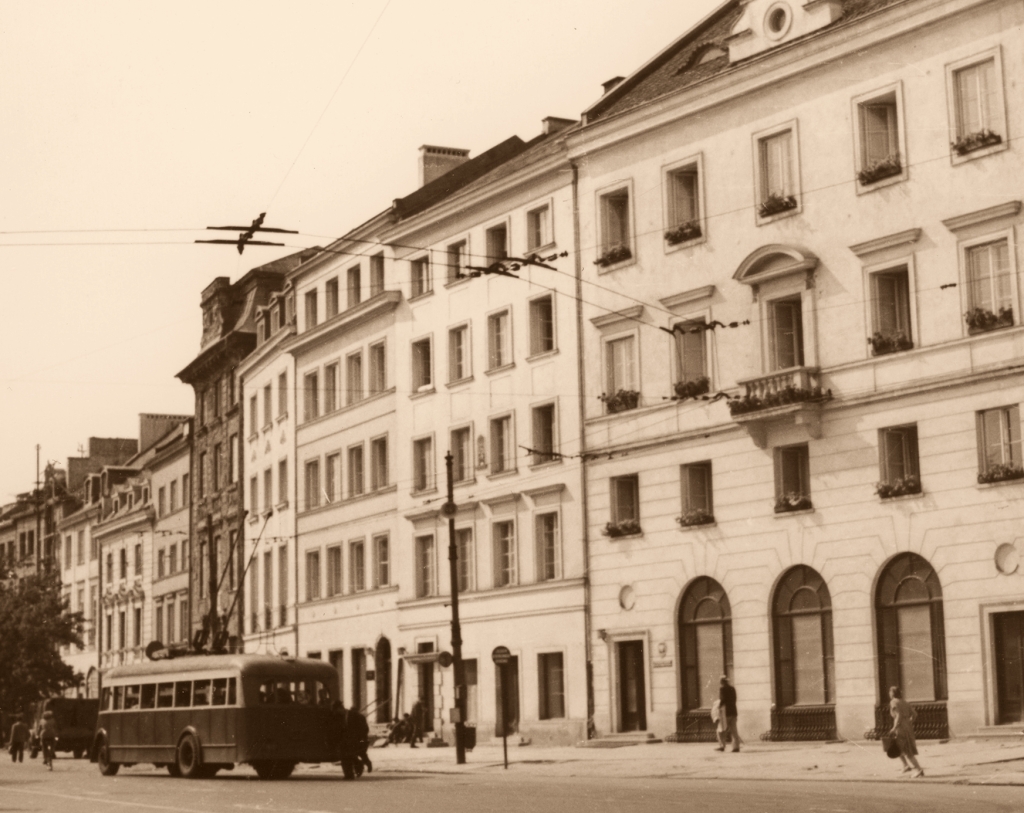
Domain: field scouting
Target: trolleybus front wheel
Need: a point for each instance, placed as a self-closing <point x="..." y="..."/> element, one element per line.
<point x="107" y="768"/>
<point x="189" y="765"/>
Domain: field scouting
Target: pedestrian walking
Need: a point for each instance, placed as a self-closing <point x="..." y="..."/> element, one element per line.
<point x="727" y="714"/>
<point x="48" y="737"/>
<point x="903" y="716"/>
<point x="347" y="737"/>
<point x="19" y="736"/>
<point x="416" y="724"/>
<point x="361" y="735"/>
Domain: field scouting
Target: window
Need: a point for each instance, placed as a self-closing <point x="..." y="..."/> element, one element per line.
<point x="898" y="465"/>
<point x="161" y="509"/>
<point x="311" y="313"/>
<point x="172" y="559"/>
<point x="379" y="463"/>
<point x="334" y="570"/>
<point x="137" y="633"/>
<point x="355" y="471"/>
<point x="542" y="325"/>
<point x="312" y="396"/>
<point x="312" y="575"/>
<point x="354" y="289"/>
<point x="331" y="388"/>
<point x="544" y="434"/>
<point x="159" y="619"/>
<point x="282" y="395"/>
<point x="911" y="633"/>
<point x="776" y="173"/>
<point x="186" y="495"/>
<point x="467" y="562"/>
<point x="426" y="574"/>
<point x="268" y="588"/>
<point x="422" y="372"/>
<point x="161" y="569"/>
<point x="376" y="274"/>
<point x="879" y="139"/>
<point x="378" y="369"/>
<point x="890" y="310"/>
<point x="254" y="504"/>
<point x="331" y="290"/>
<point x="503" y="454"/>
<point x="312" y="484"/>
<point x="268" y="490"/>
<point x="506" y="565"/>
<point x="786" y="333"/>
<point x="268" y="416"/>
<point x="202" y="474"/>
<point x="183" y="623"/>
<point x="620" y="361"/>
<point x="538" y="227"/>
<point x="496" y="243"/>
<point x="282" y="585"/>
<point x="457" y="261"/>
<point x="354" y="377"/>
<point x="232" y="459"/>
<point x="499" y="339"/>
<point x="549" y="548"/>
<point x="989" y="286"/>
<point x="683" y="202"/>
<point x="999" y="448"/>
<point x="792" y="478"/>
<point x="382" y="561"/>
<point x="695" y="481"/>
<point x="173" y="496"/>
<point x="170" y="622"/>
<point x="614" y="214"/>
<point x="357" y="566"/>
<point x="423" y="464"/>
<point x="462" y="454"/>
<point x="804" y="661"/>
<point x="458" y="353"/>
<point x="690" y="339"/>
<point x="253" y="421"/>
<point x="705" y="642"/>
<point x="551" y="685"/>
<point x="81" y="542"/>
<point x="420" y="273"/>
<point x="282" y="482"/>
<point x="332" y="485"/>
<point x="978" y="118"/>
<point x="625" y="497"/>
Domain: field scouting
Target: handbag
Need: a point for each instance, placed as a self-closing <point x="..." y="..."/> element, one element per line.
<point x="890" y="746"/>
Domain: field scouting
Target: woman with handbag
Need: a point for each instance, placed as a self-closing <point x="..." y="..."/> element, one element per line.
<point x="903" y="716"/>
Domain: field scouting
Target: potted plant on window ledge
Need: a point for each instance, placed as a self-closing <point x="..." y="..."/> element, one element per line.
<point x="981" y="320"/>
<point x="775" y="204"/>
<point x="692" y="388"/>
<point x="783" y="397"/>
<point x="901" y="486"/>
<point x="624" y="527"/>
<point x="885" y="343"/>
<point x="694" y="517"/>
<point x="690" y="230"/>
<point x="621" y="401"/>
<point x="881" y="169"/>
<point x="976" y="141"/>
<point x="614" y="255"/>
<point x="1000" y="473"/>
<point x="792" y="501"/>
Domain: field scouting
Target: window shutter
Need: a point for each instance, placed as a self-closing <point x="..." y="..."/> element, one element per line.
<point x="784" y="659"/>
<point x="828" y="653"/>
<point x="1013" y="419"/>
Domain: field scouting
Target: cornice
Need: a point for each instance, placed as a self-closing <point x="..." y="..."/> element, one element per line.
<point x="270" y="349"/>
<point x="625" y="315"/>
<point x="553" y="488"/>
<point x="686" y="297"/>
<point x="902" y="238"/>
<point x="998" y="212"/>
<point x="379" y="305"/>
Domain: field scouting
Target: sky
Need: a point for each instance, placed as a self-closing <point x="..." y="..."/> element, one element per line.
<point x="127" y="128"/>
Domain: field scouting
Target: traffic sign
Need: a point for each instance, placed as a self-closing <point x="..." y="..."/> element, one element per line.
<point x="501" y="655"/>
<point x="445" y="659"/>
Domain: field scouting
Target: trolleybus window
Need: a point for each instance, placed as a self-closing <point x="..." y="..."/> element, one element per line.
<point x="165" y="695"/>
<point x="118" y="697"/>
<point x="182" y="693"/>
<point x="149" y="696"/>
<point x="131" y="697"/>
<point x="201" y="693"/>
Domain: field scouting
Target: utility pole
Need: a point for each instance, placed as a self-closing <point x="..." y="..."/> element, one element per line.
<point x="37" y="553"/>
<point x="211" y="551"/>
<point x="449" y="509"/>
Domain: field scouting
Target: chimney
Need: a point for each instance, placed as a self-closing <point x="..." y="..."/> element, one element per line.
<point x="436" y="161"/>
<point x="611" y="84"/>
<point x="552" y="124"/>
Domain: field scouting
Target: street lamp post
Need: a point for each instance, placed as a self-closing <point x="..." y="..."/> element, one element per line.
<point x="449" y="509"/>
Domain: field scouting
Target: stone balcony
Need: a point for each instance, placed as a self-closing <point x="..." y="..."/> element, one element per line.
<point x="791" y="396"/>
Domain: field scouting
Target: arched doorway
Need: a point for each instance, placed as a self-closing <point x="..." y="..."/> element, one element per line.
<point x="382" y="679"/>
<point x="705" y="654"/>
<point x="912" y="644"/>
<point x="804" y="658"/>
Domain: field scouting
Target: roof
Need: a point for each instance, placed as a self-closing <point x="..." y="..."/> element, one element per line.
<point x="284" y="668"/>
<point x="692" y="58"/>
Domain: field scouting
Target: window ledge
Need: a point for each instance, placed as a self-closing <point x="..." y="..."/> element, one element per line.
<point x="422" y="393"/>
<point x="607" y="269"/>
<point x="546" y="465"/>
<point x="696" y="241"/>
<point x="420" y="297"/>
<point x="468" y="482"/>
<point x="423" y="492"/>
<point x="549" y="246"/>
<point x="624" y="536"/>
<point x="783" y="514"/>
<point x="541" y="356"/>
<point x="881" y="183"/>
<point x="504" y="368"/>
<point x="974" y="155"/>
<point x="902" y="497"/>
<point x="501" y="475"/>
<point x="267" y="427"/>
<point x="254" y="518"/>
<point x="457" y="282"/>
<point x="683" y="529"/>
<point x="253" y="436"/>
<point x="764" y="221"/>
<point x="460" y="382"/>
<point x="281" y="505"/>
<point x="282" y="417"/>
<point x="1014" y="482"/>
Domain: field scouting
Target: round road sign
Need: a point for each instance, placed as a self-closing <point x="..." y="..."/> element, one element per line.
<point x="501" y="655"/>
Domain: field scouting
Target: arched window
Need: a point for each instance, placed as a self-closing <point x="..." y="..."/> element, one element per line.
<point x="705" y="638"/>
<point x="804" y="663"/>
<point x="911" y="637"/>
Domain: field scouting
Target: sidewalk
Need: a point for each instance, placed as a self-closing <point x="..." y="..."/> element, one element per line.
<point x="961" y="761"/>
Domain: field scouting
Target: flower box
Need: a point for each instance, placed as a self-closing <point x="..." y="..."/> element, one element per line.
<point x="792" y="502"/>
<point x="690" y="230"/>
<point x="981" y="320"/>
<point x="976" y="141"/>
<point x="884" y="343"/>
<point x="692" y="389"/>
<point x="620" y="401"/>
<point x="784" y="396"/>
<point x="626" y="527"/>
<point x="899" y="487"/>
<point x="775" y="203"/>
<point x="879" y="170"/>
<point x="1000" y="472"/>
<point x="694" y="517"/>
<point x="616" y="254"/>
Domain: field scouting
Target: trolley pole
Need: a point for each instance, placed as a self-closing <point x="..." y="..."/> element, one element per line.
<point x="449" y="509"/>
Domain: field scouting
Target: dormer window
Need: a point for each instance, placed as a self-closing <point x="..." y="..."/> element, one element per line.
<point x="777" y="21"/>
<point x="766" y="24"/>
<point x="275" y="318"/>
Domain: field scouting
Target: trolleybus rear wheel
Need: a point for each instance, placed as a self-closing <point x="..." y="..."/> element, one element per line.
<point x="107" y="768"/>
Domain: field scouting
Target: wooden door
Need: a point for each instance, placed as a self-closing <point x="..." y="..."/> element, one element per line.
<point x="632" y="691"/>
<point x="1009" y="641"/>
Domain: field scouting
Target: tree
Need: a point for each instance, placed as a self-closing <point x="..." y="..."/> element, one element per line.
<point x="35" y="620"/>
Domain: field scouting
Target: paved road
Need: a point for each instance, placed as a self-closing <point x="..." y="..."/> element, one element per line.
<point x="77" y="787"/>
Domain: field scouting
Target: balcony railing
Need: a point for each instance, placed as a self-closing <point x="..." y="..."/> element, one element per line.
<point x="791" y="386"/>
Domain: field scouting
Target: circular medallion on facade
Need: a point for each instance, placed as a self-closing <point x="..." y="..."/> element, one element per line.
<point x="1007" y="558"/>
<point x="627" y="598"/>
<point x="777" y="21"/>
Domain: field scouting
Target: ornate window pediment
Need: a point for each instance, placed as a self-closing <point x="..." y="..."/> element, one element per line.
<point x="774" y="261"/>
